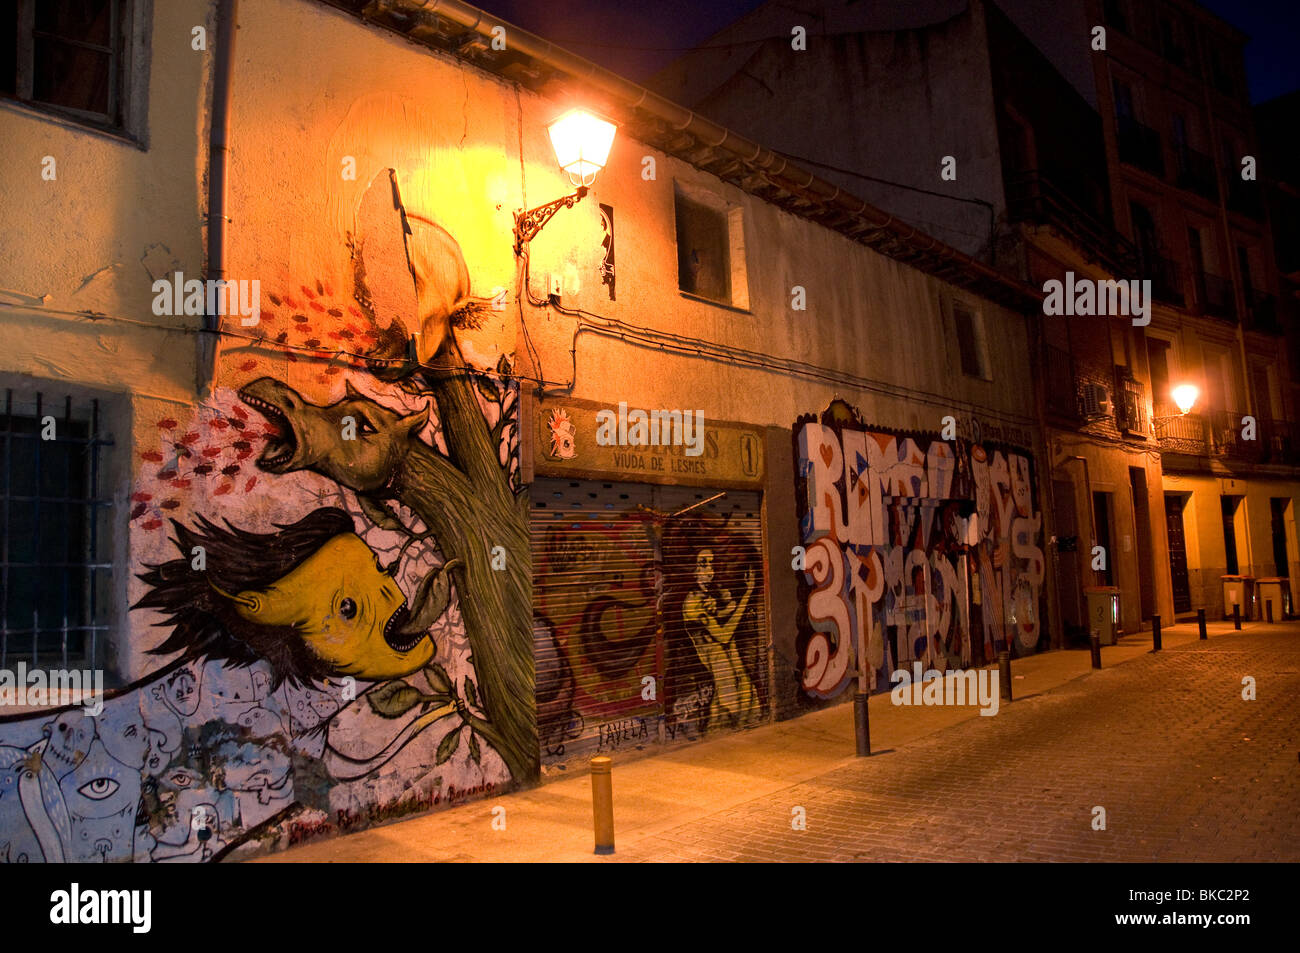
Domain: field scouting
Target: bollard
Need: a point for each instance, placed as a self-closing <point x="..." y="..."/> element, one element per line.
<point x="1236" y="615"/>
<point x="1200" y="623"/>
<point x="602" y="803"/>
<point x="862" y="724"/>
<point x="1155" y="633"/>
<point x="1095" y="639"/>
<point x="1268" y="611"/>
<point x="1004" y="674"/>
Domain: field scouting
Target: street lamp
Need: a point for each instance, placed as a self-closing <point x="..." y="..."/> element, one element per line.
<point x="1184" y="396"/>
<point x="581" y="141"/>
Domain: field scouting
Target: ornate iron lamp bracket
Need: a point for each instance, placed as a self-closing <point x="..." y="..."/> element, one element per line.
<point x="529" y="223"/>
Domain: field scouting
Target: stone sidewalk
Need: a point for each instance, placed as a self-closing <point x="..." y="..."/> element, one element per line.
<point x="1185" y="769"/>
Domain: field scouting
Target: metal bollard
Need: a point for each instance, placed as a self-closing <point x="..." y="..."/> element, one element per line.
<point x="1268" y="611"/>
<point x="862" y="724"/>
<point x="1095" y="639"/>
<point x="1200" y="624"/>
<point x="1236" y="615"/>
<point x="1004" y="674"/>
<point x="602" y="803"/>
<point x="1155" y="633"/>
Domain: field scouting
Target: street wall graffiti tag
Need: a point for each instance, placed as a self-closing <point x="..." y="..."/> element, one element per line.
<point x="914" y="548"/>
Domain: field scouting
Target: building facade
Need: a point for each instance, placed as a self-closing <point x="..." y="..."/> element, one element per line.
<point x="426" y="503"/>
<point x="1048" y="119"/>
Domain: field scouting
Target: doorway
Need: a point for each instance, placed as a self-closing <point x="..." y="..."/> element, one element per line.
<point x="1142" y="530"/>
<point x="1174" y="505"/>
<point x="1101" y="513"/>
<point x="1228" y="505"/>
<point x="1278" y="506"/>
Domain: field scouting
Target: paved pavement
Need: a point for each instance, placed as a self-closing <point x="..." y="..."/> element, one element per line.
<point x="1185" y="769"/>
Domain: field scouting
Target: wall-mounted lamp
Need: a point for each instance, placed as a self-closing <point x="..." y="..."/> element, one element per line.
<point x="1185" y="396"/>
<point x="581" y="142"/>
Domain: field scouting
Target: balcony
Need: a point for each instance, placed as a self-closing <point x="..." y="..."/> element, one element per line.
<point x="1130" y="403"/>
<point x="1214" y="296"/>
<point x="1182" y="434"/>
<point x="1196" y="174"/>
<point x="1166" y="280"/>
<point x="1262" y="313"/>
<point x="1139" y="146"/>
<point x="1036" y="198"/>
<point x="1244" y="197"/>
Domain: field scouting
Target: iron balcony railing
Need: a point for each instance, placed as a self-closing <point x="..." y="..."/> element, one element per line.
<point x="1139" y="145"/>
<point x="1214" y="296"/>
<point x="1035" y="197"/>
<point x="1166" y="279"/>
<point x="1262" y="312"/>
<point x="1182" y="434"/>
<point x="1196" y="174"/>
<point x="1130" y="403"/>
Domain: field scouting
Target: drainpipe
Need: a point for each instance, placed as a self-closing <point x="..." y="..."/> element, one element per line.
<point x="218" y="155"/>
<point x="1092" y="513"/>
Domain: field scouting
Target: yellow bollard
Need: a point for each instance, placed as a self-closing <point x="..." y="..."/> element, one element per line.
<point x="602" y="803"/>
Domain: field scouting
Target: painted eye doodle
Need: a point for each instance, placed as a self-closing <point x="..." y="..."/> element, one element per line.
<point x="99" y="789"/>
<point x="180" y="779"/>
<point x="348" y="609"/>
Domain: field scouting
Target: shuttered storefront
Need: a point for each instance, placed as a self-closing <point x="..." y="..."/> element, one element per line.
<point x="649" y="615"/>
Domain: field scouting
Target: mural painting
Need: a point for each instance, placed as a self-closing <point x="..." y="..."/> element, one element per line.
<point x="647" y="629"/>
<point x="335" y="586"/>
<point x="915" y="548"/>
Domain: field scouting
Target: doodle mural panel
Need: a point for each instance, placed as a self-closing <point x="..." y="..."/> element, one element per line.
<point x="331" y="568"/>
<point x="914" y="548"/>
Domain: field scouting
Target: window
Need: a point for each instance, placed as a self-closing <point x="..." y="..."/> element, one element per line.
<point x="70" y="57"/>
<point x="55" y="533"/>
<point x="970" y="341"/>
<point x="710" y="248"/>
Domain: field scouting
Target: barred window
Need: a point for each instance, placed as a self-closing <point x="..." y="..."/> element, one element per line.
<point x="55" y="532"/>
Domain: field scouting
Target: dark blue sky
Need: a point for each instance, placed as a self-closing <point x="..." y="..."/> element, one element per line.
<point x="637" y="38"/>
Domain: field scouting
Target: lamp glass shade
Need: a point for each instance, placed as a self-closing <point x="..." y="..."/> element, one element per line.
<point x="1184" y="396"/>
<point x="581" y="142"/>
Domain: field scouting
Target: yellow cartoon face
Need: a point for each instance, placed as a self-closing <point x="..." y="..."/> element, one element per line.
<point x="348" y="611"/>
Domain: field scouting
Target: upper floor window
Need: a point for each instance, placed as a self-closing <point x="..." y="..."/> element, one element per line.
<point x="73" y="58"/>
<point x="710" y="248"/>
<point x="971" y="344"/>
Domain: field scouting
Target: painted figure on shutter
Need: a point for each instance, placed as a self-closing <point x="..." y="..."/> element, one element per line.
<point x="711" y="617"/>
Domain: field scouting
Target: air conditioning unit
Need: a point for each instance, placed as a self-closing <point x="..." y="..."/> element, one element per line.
<point x="1096" y="400"/>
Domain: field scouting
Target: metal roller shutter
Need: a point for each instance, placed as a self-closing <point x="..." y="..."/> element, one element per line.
<point x="649" y="614"/>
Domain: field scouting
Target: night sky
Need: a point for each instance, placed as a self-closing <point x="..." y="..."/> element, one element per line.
<point x="636" y="39"/>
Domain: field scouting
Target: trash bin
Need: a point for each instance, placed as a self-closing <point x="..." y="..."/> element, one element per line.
<point x="1275" y="590"/>
<point x="1239" y="590"/>
<point x="1103" y="612"/>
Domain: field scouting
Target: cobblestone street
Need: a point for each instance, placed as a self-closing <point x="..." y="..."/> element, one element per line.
<point x="1185" y="768"/>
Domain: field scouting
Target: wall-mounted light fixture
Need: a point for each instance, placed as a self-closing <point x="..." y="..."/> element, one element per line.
<point x="1185" y="396"/>
<point x="581" y="142"/>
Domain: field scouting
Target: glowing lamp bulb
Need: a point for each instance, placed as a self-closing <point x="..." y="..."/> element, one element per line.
<point x="1184" y="396"/>
<point x="581" y="142"/>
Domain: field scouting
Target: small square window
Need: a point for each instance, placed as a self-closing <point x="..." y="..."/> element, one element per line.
<point x="710" y="250"/>
<point x="72" y="58"/>
<point x="970" y="342"/>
